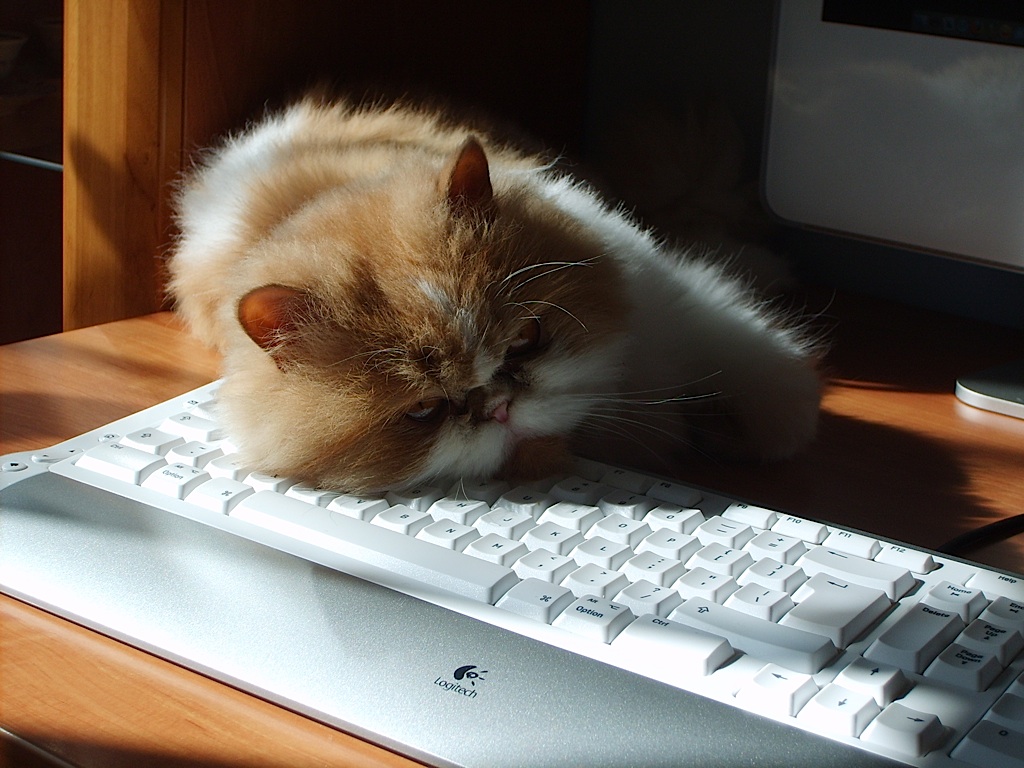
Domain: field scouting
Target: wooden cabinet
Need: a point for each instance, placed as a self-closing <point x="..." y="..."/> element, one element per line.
<point x="146" y="83"/>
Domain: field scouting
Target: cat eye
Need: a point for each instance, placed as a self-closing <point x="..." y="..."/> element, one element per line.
<point x="527" y="340"/>
<point x="427" y="410"/>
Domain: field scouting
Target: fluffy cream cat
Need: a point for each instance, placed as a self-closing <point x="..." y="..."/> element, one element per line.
<point x="401" y="299"/>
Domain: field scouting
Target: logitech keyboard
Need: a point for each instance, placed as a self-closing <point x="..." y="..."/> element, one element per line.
<point x="606" y="617"/>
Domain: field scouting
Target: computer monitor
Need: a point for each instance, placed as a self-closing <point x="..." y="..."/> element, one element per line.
<point x="902" y="122"/>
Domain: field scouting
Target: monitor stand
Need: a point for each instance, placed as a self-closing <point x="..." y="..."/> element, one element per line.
<point x="999" y="389"/>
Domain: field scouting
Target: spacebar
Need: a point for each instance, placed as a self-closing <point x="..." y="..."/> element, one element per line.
<point x="418" y="560"/>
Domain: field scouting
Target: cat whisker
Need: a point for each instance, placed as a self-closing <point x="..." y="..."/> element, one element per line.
<point x="555" y="266"/>
<point x="549" y="304"/>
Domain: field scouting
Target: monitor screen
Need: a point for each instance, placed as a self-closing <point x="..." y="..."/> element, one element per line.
<point x="902" y="122"/>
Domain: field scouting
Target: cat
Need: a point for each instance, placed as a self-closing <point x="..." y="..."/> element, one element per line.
<point x="401" y="298"/>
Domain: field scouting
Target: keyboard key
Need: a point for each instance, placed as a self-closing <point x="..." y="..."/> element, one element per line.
<point x="578" y="517"/>
<point x="673" y="518"/>
<point x="674" y="493"/>
<point x="906" y="730"/>
<point x="991" y="744"/>
<point x="378" y="547"/>
<point x="152" y="441"/>
<point x="360" y="507"/>
<point x="576" y="490"/>
<point x="633" y="482"/>
<point x="719" y="558"/>
<point x="808" y="530"/>
<point x="194" y="453"/>
<point x="965" y="668"/>
<point x="701" y="582"/>
<point x="853" y="543"/>
<point x="176" y="480"/>
<point x="785" y="549"/>
<point x="792" y="648"/>
<point x="228" y="465"/>
<point x="130" y="465"/>
<point x="262" y="481"/>
<point x="777" y="691"/>
<point x="465" y="511"/>
<point x="678" y="546"/>
<point x="836" y="609"/>
<point x="995" y="584"/>
<point x="419" y="498"/>
<point x="663" y="571"/>
<point x="890" y="579"/>
<point x="882" y="682"/>
<point x="487" y="491"/>
<point x="1008" y="710"/>
<point x="838" y="710"/>
<point x="192" y="426"/>
<point x="220" y="494"/>
<point x="1006" y="613"/>
<point x="748" y="514"/>
<point x="631" y="505"/>
<point x="544" y="565"/>
<point x="916" y="638"/>
<point x="967" y="603"/>
<point x="624" y="530"/>
<point x="595" y="618"/>
<point x="599" y="551"/>
<point x="496" y="549"/>
<point x="911" y="559"/>
<point x="311" y="494"/>
<point x="718" y="530"/>
<point x="774" y="575"/>
<point x="670" y="651"/>
<point x="592" y="579"/>
<point x="553" y="538"/>
<point x="760" y="602"/>
<point x="507" y="523"/>
<point x="643" y="597"/>
<point x="537" y="600"/>
<point x="525" y="500"/>
<point x="404" y="520"/>
<point x="986" y="637"/>
<point x="448" y="534"/>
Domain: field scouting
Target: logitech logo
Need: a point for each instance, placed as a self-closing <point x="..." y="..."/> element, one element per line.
<point x="470" y="674"/>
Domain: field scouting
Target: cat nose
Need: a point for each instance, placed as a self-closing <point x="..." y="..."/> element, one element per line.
<point x="484" y="406"/>
<point x="500" y="412"/>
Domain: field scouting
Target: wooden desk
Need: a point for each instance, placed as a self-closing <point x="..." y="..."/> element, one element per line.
<point x="898" y="455"/>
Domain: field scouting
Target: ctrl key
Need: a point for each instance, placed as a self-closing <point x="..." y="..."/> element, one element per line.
<point x="992" y="745"/>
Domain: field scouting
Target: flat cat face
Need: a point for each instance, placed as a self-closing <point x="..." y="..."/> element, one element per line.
<point x="421" y="327"/>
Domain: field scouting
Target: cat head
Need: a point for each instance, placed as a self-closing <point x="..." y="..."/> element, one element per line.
<point x="424" y="325"/>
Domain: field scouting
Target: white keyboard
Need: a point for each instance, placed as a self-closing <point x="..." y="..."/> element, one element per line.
<point x="896" y="651"/>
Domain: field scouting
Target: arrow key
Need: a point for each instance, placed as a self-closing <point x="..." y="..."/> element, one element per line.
<point x="839" y="710"/>
<point x="882" y="682"/>
<point x="776" y="691"/>
<point x="906" y="730"/>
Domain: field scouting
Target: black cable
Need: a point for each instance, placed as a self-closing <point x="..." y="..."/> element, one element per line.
<point x="986" y="534"/>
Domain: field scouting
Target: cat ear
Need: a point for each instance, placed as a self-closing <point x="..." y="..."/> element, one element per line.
<point x="468" y="181"/>
<point x="269" y="313"/>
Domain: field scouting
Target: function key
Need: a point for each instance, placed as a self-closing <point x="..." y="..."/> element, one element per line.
<point x="853" y="543"/>
<point x="808" y="530"/>
<point x="748" y="514"/>
<point x="674" y="493"/>
<point x="628" y="481"/>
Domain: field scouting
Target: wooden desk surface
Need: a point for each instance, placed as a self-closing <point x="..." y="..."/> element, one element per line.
<point x="897" y="455"/>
